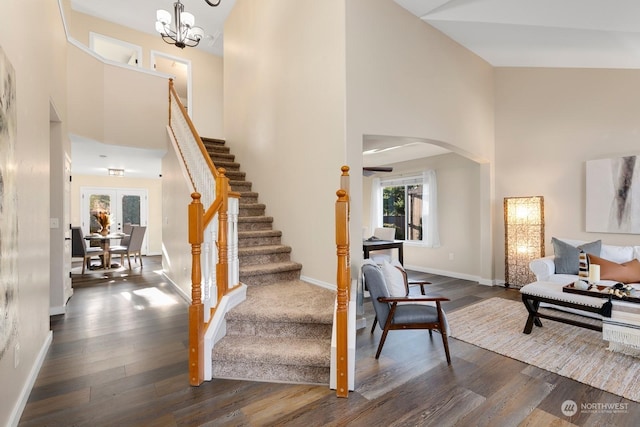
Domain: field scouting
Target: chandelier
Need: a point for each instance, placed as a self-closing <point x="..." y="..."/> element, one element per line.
<point x="183" y="33"/>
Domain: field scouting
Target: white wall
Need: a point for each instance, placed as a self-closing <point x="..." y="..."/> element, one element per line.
<point x="549" y="122"/>
<point x="405" y="78"/>
<point x="38" y="60"/>
<point x="458" y="204"/>
<point x="284" y="85"/>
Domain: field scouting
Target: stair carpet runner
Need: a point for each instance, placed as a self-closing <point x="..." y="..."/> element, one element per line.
<point x="282" y="331"/>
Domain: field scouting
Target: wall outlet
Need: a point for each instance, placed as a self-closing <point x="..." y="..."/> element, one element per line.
<point x="450" y="256"/>
<point x="16" y="355"/>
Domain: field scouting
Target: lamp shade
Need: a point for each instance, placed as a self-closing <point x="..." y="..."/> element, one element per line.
<point x="187" y="19"/>
<point x="163" y="17"/>
<point x="523" y="237"/>
<point x="196" y="33"/>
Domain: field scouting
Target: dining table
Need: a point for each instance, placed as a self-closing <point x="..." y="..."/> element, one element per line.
<point x="105" y="244"/>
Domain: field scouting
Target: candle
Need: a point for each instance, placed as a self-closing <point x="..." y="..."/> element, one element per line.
<point x="594" y="273"/>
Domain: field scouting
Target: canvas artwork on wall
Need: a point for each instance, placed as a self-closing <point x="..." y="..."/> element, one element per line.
<point x="8" y="208"/>
<point x="613" y="195"/>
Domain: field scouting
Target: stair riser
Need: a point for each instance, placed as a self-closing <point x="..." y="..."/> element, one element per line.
<point x="248" y="210"/>
<point x="258" y="241"/>
<point x="255" y="226"/>
<point x="213" y="149"/>
<point x="271" y="373"/>
<point x="229" y="166"/>
<point x="259" y="259"/>
<point x="269" y="278"/>
<point x="279" y="329"/>
<point x="235" y="175"/>
<point x="240" y="186"/>
<point x="250" y="199"/>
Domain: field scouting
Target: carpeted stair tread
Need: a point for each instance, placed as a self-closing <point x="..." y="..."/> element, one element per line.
<point x="277" y="351"/>
<point x="255" y="219"/>
<point x="259" y="233"/>
<point x="304" y="303"/>
<point x="265" y="249"/>
<point x="271" y="268"/>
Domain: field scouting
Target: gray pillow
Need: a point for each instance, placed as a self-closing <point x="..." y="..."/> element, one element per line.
<point x="567" y="256"/>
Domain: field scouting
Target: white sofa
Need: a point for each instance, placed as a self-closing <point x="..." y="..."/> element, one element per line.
<point x="544" y="268"/>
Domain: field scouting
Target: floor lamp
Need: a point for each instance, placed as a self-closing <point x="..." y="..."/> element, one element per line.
<point x="523" y="237"/>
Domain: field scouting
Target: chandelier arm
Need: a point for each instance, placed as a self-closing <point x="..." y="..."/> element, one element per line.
<point x="213" y="4"/>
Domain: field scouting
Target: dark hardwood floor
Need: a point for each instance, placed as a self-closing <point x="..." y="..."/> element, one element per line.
<point x="119" y="358"/>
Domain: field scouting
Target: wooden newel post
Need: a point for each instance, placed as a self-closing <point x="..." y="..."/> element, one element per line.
<point x="343" y="280"/>
<point x="222" y="267"/>
<point x="196" y="309"/>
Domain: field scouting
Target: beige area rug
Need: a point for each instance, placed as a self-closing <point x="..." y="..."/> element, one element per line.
<point x="496" y="324"/>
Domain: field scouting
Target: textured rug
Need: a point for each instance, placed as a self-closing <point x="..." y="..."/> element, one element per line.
<point x="496" y="324"/>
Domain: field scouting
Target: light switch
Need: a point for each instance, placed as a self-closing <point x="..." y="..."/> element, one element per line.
<point x="54" y="223"/>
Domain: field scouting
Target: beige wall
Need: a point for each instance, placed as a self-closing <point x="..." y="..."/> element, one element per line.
<point x="285" y="117"/>
<point x="106" y="101"/>
<point x="404" y="78"/>
<point x="35" y="56"/>
<point x="206" y="68"/>
<point x="549" y="122"/>
<point x="154" y="193"/>
<point x="458" y="201"/>
<point x="176" y="250"/>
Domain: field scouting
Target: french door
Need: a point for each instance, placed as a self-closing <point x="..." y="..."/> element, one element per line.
<point x="124" y="205"/>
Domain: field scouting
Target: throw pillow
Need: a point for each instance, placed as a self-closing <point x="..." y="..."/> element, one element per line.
<point x="394" y="279"/>
<point x="566" y="257"/>
<point x="583" y="266"/>
<point x="627" y="272"/>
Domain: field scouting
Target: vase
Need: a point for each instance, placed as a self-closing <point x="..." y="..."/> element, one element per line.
<point x="104" y="231"/>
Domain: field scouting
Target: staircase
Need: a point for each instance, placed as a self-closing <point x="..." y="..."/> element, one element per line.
<point x="282" y="331"/>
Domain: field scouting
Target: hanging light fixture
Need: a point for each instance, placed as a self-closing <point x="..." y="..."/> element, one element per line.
<point x="212" y="4"/>
<point x="183" y="33"/>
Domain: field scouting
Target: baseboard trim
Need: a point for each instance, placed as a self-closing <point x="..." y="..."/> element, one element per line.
<point x="329" y="286"/>
<point x="471" y="277"/>
<point x="54" y="311"/>
<point x="14" y="419"/>
<point x="180" y="291"/>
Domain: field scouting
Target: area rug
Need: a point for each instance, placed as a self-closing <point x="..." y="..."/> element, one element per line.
<point x="496" y="324"/>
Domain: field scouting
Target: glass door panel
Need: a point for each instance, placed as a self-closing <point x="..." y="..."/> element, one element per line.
<point x="124" y="206"/>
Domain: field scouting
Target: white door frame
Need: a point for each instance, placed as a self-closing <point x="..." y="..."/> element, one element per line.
<point x="187" y="62"/>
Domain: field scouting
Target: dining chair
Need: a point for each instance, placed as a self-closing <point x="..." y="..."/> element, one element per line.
<point x="134" y="247"/>
<point x="126" y="229"/>
<point x="79" y="248"/>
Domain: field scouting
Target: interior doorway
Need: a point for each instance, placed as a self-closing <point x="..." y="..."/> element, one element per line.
<point x="180" y="69"/>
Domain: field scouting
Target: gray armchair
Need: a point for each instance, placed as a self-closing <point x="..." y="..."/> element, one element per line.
<point x="406" y="312"/>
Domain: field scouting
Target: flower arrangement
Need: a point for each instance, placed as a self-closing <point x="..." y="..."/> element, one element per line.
<point x="104" y="219"/>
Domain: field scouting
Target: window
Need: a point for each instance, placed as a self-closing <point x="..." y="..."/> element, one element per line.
<point x="402" y="209"/>
<point x="407" y="204"/>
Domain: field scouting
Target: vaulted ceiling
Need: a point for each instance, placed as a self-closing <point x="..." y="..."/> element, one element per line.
<point x="505" y="33"/>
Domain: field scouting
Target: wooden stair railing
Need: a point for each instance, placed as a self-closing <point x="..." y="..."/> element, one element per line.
<point x="214" y="241"/>
<point x="343" y="285"/>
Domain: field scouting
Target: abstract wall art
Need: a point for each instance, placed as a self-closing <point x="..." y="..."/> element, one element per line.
<point x="8" y="208"/>
<point x="613" y="195"/>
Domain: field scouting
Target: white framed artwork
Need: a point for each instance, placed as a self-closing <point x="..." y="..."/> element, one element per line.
<point x="613" y="195"/>
<point x="8" y="208"/>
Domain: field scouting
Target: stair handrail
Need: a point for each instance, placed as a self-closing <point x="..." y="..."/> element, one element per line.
<point x="343" y="280"/>
<point x="214" y="241"/>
